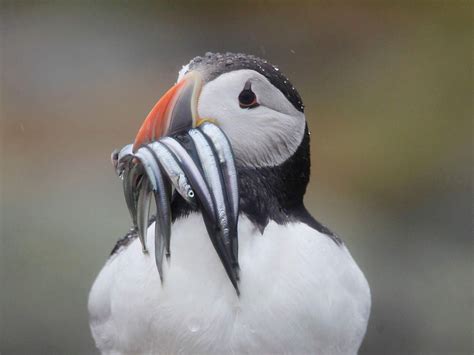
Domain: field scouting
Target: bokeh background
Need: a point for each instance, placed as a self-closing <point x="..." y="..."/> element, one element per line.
<point x="388" y="91"/>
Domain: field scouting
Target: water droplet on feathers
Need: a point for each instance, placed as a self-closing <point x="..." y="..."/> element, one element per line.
<point x="194" y="325"/>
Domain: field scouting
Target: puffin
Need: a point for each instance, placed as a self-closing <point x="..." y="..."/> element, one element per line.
<point x="300" y="290"/>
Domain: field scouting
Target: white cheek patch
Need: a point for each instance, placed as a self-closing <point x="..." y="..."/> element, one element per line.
<point x="263" y="136"/>
<point x="268" y="141"/>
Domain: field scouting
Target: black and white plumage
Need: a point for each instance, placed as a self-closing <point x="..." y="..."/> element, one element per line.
<point x="301" y="291"/>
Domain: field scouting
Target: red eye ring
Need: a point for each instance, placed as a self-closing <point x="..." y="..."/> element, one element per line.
<point x="247" y="98"/>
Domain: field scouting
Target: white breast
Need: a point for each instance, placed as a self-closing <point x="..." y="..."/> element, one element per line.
<point x="300" y="293"/>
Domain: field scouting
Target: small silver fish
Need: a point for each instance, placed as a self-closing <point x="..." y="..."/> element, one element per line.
<point x="212" y="172"/>
<point x="143" y="210"/>
<point x="194" y="175"/>
<point x="132" y="174"/>
<point x="162" y="201"/>
<point x="229" y="173"/>
<point x="226" y="159"/>
<point x="144" y="200"/>
<point x="168" y="161"/>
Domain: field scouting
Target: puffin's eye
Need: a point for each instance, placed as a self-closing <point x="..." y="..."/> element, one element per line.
<point x="247" y="98"/>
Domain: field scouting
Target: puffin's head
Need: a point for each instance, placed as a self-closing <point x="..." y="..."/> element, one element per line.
<point x="262" y="115"/>
<point x="252" y="102"/>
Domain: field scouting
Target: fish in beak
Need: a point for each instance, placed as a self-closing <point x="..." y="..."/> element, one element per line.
<point x="176" y="153"/>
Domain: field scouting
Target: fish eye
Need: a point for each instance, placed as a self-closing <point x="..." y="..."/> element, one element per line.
<point x="247" y="98"/>
<point x="191" y="193"/>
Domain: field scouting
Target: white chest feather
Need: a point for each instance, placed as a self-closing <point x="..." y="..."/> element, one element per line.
<point x="300" y="293"/>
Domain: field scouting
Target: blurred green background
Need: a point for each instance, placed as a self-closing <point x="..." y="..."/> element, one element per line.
<point x="388" y="91"/>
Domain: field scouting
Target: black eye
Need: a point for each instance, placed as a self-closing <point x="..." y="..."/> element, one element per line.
<point x="247" y="98"/>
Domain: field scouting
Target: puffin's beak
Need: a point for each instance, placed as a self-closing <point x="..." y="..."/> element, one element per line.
<point x="175" y="112"/>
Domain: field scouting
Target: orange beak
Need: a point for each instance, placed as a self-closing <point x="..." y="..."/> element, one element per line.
<point x="175" y="112"/>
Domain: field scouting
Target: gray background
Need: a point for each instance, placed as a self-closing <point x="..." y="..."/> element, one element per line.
<point x="387" y="86"/>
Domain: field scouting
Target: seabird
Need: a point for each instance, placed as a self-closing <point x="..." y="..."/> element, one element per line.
<point x="300" y="291"/>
